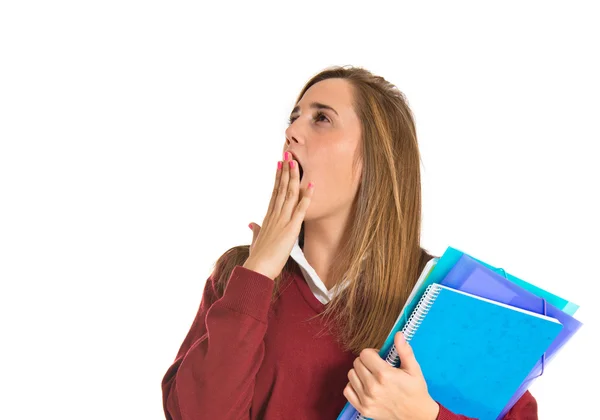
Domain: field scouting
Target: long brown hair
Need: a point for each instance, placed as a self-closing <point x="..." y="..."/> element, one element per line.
<point x="380" y="251"/>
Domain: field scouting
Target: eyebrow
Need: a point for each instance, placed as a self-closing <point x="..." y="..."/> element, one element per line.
<point x="316" y="105"/>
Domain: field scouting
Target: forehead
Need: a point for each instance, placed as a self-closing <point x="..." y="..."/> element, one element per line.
<point x="337" y="93"/>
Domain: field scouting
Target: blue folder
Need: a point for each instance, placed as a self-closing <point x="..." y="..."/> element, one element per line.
<point x="473" y="367"/>
<point x="468" y="275"/>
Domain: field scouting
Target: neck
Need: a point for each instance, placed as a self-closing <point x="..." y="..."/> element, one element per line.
<point x="322" y="240"/>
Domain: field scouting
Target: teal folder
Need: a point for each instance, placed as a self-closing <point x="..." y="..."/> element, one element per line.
<point x="474" y="352"/>
<point x="451" y="257"/>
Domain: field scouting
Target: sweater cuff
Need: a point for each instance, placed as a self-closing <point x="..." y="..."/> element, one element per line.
<point x="446" y="414"/>
<point x="248" y="292"/>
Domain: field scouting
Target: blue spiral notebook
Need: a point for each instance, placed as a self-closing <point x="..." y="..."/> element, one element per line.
<point x="472" y="367"/>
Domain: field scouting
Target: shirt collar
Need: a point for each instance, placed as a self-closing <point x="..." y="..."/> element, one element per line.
<point x="315" y="284"/>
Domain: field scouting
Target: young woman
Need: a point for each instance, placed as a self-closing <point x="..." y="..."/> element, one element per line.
<point x="288" y="327"/>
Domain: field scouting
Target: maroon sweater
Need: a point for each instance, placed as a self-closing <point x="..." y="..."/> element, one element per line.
<point x="246" y="357"/>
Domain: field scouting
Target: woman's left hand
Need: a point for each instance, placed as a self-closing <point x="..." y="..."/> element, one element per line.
<point x="382" y="392"/>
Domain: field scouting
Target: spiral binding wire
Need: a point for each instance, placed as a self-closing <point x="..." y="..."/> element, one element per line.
<point x="415" y="320"/>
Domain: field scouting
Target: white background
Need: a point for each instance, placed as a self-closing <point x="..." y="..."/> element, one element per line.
<point x="139" y="139"/>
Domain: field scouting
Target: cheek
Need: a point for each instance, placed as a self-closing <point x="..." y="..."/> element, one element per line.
<point x="346" y="179"/>
<point x="335" y="182"/>
<point x="334" y="191"/>
<point x="338" y="183"/>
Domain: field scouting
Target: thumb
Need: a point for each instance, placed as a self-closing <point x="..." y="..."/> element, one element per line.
<point x="408" y="362"/>
<point x="255" y="230"/>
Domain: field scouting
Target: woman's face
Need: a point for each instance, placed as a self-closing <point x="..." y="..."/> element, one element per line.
<point x="324" y="141"/>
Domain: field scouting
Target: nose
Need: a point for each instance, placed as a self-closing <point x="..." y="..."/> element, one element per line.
<point x="292" y="135"/>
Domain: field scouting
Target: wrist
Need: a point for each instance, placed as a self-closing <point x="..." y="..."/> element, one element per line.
<point x="432" y="409"/>
<point x="251" y="265"/>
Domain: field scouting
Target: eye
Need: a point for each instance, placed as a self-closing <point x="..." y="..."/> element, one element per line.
<point x="318" y="117"/>
<point x="320" y="114"/>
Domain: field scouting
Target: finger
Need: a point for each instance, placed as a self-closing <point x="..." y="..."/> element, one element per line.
<point x="291" y="198"/>
<point x="353" y="398"/>
<point x="302" y="207"/>
<point x="364" y="376"/>
<point x="283" y="186"/>
<point x="373" y="361"/>
<point x="408" y="362"/>
<point x="275" y="188"/>
<point x="357" y="385"/>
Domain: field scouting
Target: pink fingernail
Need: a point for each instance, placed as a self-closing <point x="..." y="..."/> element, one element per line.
<point x="287" y="155"/>
<point x="279" y="165"/>
<point x="292" y="164"/>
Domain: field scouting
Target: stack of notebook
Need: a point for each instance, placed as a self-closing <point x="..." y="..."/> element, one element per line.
<point x="480" y="335"/>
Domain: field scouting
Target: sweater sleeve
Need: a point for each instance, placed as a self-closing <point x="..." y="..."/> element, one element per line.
<point x="214" y="372"/>
<point x="524" y="409"/>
